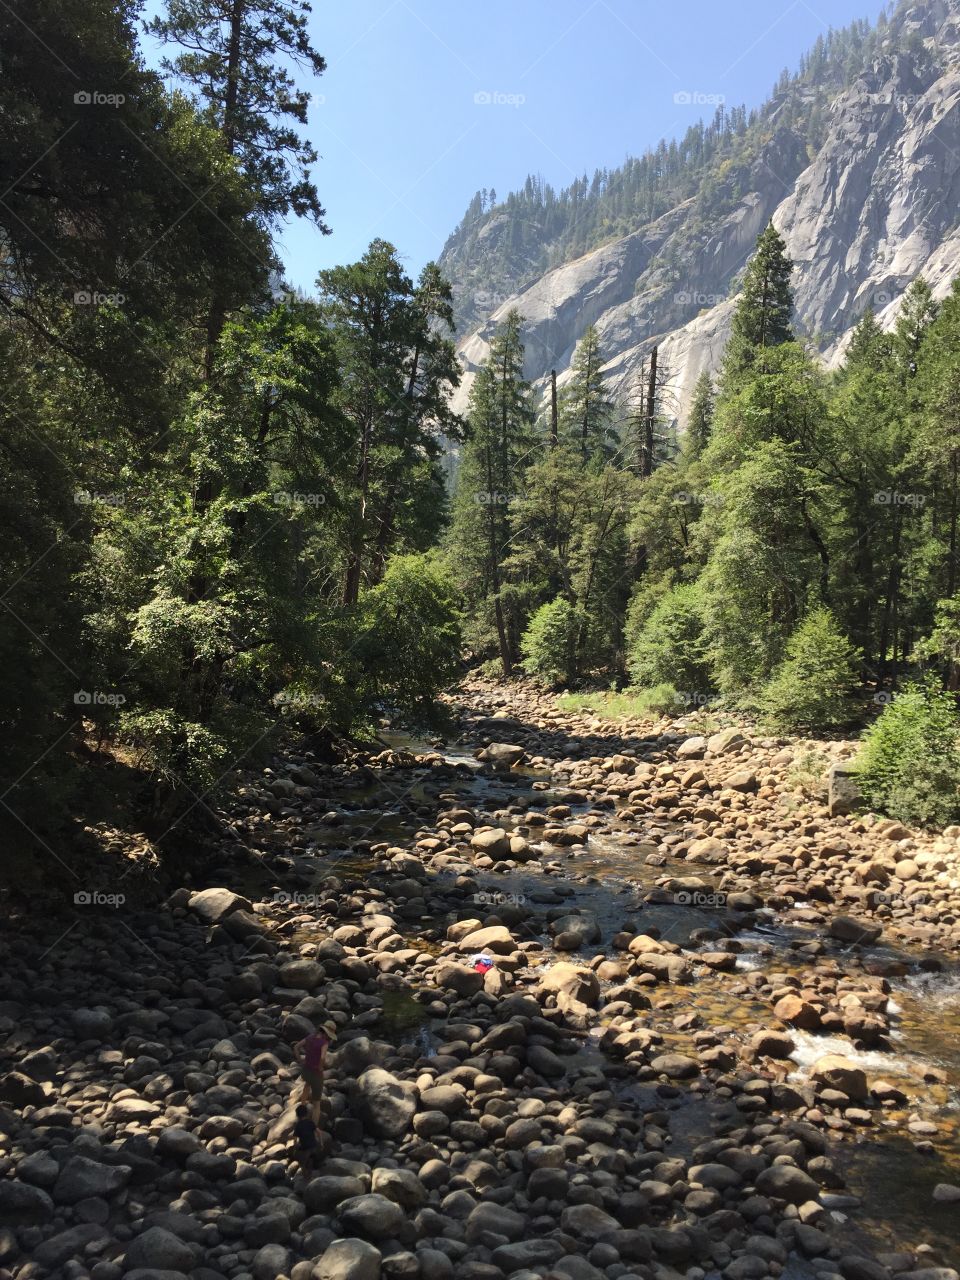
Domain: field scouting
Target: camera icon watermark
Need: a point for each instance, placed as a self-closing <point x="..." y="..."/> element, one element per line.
<point x="693" y="698"/>
<point x="892" y="498"/>
<point x="494" y="98"/>
<point x="87" y="498"/>
<point x="697" y="898"/>
<point x="487" y="898"/>
<point x="705" y="498"/>
<point x="696" y="98"/>
<point x="94" y="98"/>
<point x="693" y="297"/>
<point x="96" y="898"/>
<point x="284" y="899"/>
<point x="84" y="698"/>
<point x="93" y="298"/>
<point x="284" y="498"/>
<point x="483" y="498"/>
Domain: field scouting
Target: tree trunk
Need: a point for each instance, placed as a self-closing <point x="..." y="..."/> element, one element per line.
<point x="649" y="416"/>
<point x="554" y="413"/>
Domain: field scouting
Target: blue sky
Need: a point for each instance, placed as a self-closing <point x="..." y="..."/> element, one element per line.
<point x="426" y="101"/>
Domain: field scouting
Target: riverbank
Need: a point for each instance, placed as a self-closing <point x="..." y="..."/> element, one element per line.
<point x="720" y="1033"/>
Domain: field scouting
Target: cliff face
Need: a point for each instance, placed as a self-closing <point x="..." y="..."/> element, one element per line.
<point x="878" y="205"/>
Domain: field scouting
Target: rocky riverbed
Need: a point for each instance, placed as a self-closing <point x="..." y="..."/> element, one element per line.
<point x="720" y="1036"/>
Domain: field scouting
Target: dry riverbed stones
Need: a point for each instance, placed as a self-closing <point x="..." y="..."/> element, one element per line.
<point x="570" y="1109"/>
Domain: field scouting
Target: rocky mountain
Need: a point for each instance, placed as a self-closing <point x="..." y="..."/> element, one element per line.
<point x="856" y="159"/>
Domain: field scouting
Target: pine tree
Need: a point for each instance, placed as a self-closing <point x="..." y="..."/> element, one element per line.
<point x="586" y="409"/>
<point x="700" y="417"/>
<point x="236" y="51"/>
<point x="762" y="316"/>
<point x="499" y="438"/>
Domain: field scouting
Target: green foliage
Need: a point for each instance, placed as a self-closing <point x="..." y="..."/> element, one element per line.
<point x="410" y="647"/>
<point x="812" y="688"/>
<point x="549" y="644"/>
<point x="633" y="704"/>
<point x="762" y="316"/>
<point x="669" y="649"/>
<point x="238" y="60"/>
<point x="909" y="762"/>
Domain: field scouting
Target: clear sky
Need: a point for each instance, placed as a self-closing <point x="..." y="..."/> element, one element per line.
<point x="426" y="101"/>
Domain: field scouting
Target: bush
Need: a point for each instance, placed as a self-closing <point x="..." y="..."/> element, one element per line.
<point x="549" y="644"/>
<point x="668" y="648"/>
<point x="661" y="700"/>
<point x="812" y="686"/>
<point x="411" y="646"/>
<point x="909" y="762"/>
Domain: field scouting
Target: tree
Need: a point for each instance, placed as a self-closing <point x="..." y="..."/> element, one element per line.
<point x="234" y="59"/>
<point x="499" y="437"/>
<point x="700" y="417"/>
<point x="812" y="687"/>
<point x="398" y="370"/>
<point x="586" y="410"/>
<point x="763" y="314"/>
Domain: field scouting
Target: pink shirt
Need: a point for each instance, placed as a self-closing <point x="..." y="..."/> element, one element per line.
<point x="313" y="1048"/>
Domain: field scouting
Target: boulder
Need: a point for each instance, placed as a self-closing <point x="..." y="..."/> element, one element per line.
<point x="853" y="929"/>
<point x="787" y="1182"/>
<point x="80" y="1178"/>
<point x="158" y="1248"/>
<point x="213" y="904"/>
<point x="385" y="1104"/>
<point x="837" y="1072"/>
<point x="843" y="790"/>
<point x="349" y="1259"/>
<point x="372" y="1216"/>
<point x="724" y="742"/>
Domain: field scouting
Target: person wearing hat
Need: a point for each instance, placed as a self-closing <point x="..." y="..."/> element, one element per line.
<point x="311" y="1054"/>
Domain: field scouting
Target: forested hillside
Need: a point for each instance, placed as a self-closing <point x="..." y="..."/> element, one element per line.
<point x="500" y="246"/>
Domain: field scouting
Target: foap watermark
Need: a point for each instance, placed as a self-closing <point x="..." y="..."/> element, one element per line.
<point x="286" y="498"/>
<point x="705" y="498"/>
<point x="484" y="498"/>
<point x="693" y="297"/>
<point x="284" y="899"/>
<point x="490" y="301"/>
<point x="902" y="101"/>
<point x="697" y="898"/>
<point x="493" y="897"/>
<point x="494" y="98"/>
<point x="883" y="898"/>
<point x="697" y="98"/>
<point x="693" y="698"/>
<point x="298" y="701"/>
<point x="94" y="98"/>
<point x="93" y="298"/>
<point x="893" y="498"/>
<point x="88" y="498"/>
<point x="885" y="697"/>
<point x="97" y="898"/>
<point x="98" y="698"/>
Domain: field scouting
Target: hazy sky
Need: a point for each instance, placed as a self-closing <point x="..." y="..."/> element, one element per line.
<point x="426" y="101"/>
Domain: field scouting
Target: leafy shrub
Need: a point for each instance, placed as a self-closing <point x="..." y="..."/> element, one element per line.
<point x="909" y="762"/>
<point x="549" y="644"/>
<point x="812" y="686"/>
<point x="668" y="649"/>
<point x="660" y="700"/>
<point x="411" y="645"/>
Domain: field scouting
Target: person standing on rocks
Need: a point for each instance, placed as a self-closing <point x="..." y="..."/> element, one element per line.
<point x="311" y="1054"/>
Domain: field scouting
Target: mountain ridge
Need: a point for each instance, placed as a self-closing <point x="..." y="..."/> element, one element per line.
<point x="863" y="212"/>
